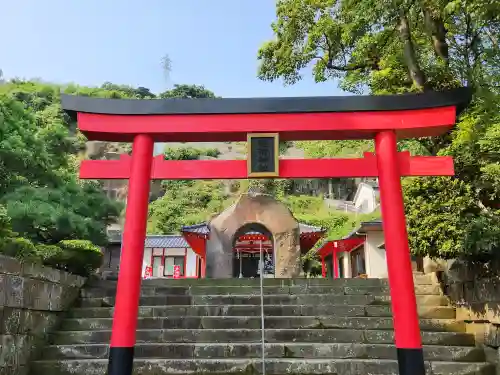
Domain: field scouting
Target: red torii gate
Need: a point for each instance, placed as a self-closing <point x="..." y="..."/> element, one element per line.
<point x="333" y="247"/>
<point x="383" y="118"/>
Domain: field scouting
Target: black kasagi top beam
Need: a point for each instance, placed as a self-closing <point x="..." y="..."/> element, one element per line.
<point x="320" y="104"/>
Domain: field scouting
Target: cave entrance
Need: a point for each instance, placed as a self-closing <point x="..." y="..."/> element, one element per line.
<point x="253" y="243"/>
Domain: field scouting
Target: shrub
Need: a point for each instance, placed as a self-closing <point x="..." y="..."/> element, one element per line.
<point x="18" y="247"/>
<point x="189" y="153"/>
<point x="311" y="265"/>
<point x="80" y="257"/>
<point x="51" y="256"/>
<point x="5" y="226"/>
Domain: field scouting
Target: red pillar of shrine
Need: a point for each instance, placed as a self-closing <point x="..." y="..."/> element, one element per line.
<point x="334" y="264"/>
<point x="121" y="353"/>
<point x="323" y="267"/>
<point x="203" y="267"/>
<point x="404" y="307"/>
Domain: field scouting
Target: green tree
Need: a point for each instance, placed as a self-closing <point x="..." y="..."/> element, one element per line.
<point x="441" y="209"/>
<point x="384" y="46"/>
<point x="387" y="47"/>
<point x="71" y="211"/>
<point x="187" y="92"/>
<point x="129" y="91"/>
<point x="28" y="152"/>
<point x="38" y="169"/>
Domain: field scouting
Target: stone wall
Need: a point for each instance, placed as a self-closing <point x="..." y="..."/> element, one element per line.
<point x="474" y="289"/>
<point x="32" y="299"/>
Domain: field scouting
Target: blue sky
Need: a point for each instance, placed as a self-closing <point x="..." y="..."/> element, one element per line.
<point x="210" y="42"/>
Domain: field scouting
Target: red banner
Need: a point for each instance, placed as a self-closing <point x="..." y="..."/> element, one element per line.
<point x="148" y="272"/>
<point x="177" y="272"/>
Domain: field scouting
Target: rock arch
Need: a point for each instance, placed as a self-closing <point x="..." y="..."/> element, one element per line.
<point x="263" y="210"/>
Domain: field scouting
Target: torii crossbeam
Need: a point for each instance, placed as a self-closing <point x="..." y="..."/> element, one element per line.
<point x="289" y="168"/>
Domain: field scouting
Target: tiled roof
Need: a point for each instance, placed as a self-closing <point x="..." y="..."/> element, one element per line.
<point x="305" y="228"/>
<point x="370" y="224"/>
<point x="196" y="228"/>
<point x="359" y="231"/>
<point x="166" y="241"/>
<point x="203" y="228"/>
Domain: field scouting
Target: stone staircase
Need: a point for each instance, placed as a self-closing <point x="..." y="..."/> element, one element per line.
<point x="312" y="326"/>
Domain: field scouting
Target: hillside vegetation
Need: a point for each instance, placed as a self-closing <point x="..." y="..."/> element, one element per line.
<point x="44" y="203"/>
<point x="369" y="47"/>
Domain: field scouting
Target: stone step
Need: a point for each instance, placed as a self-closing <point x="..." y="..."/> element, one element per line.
<point x="418" y="280"/>
<point x="435" y="312"/>
<point x="253" y="350"/>
<point x="254" y="322"/>
<point x="271" y="336"/>
<point x="255" y="290"/>
<point x="273" y="366"/>
<point x="246" y="282"/>
<point x="276" y="299"/>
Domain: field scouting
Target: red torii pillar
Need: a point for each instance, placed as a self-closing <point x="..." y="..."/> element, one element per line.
<point x="128" y="291"/>
<point x="404" y="305"/>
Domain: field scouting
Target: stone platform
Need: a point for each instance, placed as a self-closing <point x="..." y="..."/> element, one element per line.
<point x="312" y="326"/>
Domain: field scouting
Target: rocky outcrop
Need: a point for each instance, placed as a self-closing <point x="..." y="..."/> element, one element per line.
<point x="32" y="298"/>
<point x="250" y="212"/>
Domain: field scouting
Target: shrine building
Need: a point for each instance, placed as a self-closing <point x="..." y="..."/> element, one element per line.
<point x="227" y="246"/>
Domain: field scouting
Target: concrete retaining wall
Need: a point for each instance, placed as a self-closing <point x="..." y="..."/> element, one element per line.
<point x="32" y="299"/>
